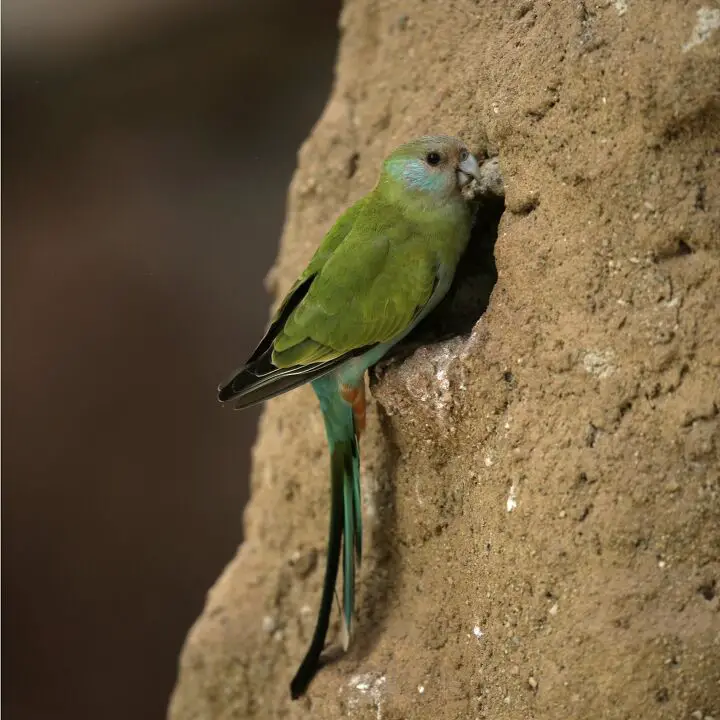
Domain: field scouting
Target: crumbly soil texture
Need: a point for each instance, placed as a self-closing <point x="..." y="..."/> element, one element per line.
<point x="541" y="476"/>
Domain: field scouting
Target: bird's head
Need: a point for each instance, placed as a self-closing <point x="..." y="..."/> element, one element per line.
<point x="434" y="169"/>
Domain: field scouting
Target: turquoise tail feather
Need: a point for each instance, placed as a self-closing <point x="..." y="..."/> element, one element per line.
<point x="345" y="522"/>
<point x="357" y="501"/>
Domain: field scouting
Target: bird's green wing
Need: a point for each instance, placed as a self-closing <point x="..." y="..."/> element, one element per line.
<point x="337" y="233"/>
<point x="368" y="281"/>
<point x="369" y="290"/>
<point x="259" y="378"/>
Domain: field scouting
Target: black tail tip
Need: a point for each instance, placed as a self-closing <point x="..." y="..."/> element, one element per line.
<point x="299" y="686"/>
<point x="303" y="677"/>
<point x="296" y="692"/>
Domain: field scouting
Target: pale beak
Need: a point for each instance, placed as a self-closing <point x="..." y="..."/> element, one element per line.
<point x="467" y="170"/>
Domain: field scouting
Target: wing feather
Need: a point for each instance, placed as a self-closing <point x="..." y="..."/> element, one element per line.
<point x="365" y="285"/>
<point x="369" y="291"/>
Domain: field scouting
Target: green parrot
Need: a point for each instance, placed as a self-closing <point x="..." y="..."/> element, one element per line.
<point x="384" y="265"/>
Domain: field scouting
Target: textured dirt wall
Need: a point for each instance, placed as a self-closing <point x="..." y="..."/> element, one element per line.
<point x="541" y="494"/>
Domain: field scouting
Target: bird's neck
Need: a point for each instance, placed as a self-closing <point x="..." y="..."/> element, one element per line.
<point x="421" y="206"/>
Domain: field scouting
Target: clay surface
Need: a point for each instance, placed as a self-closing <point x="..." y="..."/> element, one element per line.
<point x="541" y="485"/>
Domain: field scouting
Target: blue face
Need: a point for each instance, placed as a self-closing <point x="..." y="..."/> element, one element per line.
<point x="416" y="174"/>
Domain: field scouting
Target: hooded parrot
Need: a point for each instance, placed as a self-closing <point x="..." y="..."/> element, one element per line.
<point x="384" y="265"/>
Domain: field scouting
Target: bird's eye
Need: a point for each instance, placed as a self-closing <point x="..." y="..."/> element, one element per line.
<point x="464" y="155"/>
<point x="433" y="158"/>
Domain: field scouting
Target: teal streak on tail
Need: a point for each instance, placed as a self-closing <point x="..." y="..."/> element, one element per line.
<point x="345" y="521"/>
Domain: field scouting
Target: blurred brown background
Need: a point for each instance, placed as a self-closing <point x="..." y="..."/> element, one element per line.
<point x="148" y="145"/>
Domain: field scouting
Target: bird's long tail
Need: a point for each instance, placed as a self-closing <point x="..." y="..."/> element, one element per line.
<point x="341" y="407"/>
